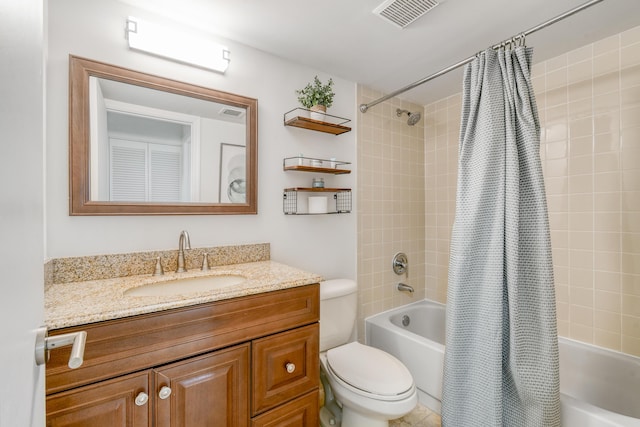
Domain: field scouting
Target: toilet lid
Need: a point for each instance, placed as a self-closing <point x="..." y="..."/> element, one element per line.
<point x="369" y="369"/>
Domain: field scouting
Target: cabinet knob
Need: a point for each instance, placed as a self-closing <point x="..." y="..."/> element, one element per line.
<point x="142" y="398"/>
<point x="164" y="392"/>
<point x="291" y="367"/>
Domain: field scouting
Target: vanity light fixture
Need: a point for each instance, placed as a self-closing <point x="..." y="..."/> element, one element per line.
<point x="176" y="45"/>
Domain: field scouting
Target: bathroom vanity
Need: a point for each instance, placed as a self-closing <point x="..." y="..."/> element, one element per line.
<point x="250" y="360"/>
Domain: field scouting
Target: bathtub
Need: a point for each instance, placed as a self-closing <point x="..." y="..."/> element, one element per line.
<point x="598" y="387"/>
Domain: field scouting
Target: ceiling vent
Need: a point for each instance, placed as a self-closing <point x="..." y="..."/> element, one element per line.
<point x="403" y="12"/>
<point x="232" y="112"/>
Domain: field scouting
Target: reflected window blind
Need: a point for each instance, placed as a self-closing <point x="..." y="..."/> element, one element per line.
<point x="141" y="171"/>
<point x="165" y="177"/>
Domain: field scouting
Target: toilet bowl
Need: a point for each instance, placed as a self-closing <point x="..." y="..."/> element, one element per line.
<point x="370" y="385"/>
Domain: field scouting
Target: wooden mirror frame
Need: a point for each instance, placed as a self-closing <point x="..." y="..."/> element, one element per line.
<point x="80" y="69"/>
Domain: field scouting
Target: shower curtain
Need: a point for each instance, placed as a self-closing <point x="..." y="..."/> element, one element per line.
<point x="501" y="359"/>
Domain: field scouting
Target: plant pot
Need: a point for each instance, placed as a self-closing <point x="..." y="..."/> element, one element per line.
<point x="318" y="112"/>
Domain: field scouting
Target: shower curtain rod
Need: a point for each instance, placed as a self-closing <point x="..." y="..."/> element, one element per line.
<point x="365" y="107"/>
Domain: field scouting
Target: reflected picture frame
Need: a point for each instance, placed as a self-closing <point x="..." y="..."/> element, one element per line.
<point x="232" y="188"/>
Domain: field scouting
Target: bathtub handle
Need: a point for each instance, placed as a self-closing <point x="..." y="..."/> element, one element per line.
<point x="400" y="264"/>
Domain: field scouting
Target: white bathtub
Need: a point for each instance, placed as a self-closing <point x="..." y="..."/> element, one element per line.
<point x="599" y="387"/>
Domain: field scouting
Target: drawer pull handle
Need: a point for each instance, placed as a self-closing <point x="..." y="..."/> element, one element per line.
<point x="164" y="392"/>
<point x="291" y="367"/>
<point x="142" y="398"/>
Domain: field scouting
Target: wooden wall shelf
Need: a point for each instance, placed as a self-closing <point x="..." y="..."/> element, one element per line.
<point x="298" y="117"/>
<point x="304" y="164"/>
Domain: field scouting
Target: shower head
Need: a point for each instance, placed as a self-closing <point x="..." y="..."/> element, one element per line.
<point x="413" y="117"/>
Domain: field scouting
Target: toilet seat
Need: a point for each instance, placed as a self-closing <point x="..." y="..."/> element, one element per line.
<point x="370" y="371"/>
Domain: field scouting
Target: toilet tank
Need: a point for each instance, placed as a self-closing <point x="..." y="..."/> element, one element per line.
<point x="338" y="308"/>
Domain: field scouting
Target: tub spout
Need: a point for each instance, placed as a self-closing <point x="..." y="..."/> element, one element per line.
<point x="403" y="287"/>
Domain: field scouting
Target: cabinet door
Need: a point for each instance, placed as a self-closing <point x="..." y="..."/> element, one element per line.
<point x="109" y="403"/>
<point x="210" y="390"/>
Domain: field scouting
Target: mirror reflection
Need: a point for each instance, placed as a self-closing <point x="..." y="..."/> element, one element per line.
<point x="154" y="146"/>
<point x="142" y="144"/>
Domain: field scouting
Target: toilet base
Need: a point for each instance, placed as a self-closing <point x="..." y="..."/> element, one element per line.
<point x="351" y="418"/>
<point x="328" y="417"/>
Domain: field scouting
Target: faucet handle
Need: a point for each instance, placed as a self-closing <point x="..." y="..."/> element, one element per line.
<point x="158" y="271"/>
<point x="400" y="264"/>
<point x="205" y="262"/>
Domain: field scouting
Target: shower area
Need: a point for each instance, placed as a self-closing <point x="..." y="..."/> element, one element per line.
<point x="589" y="106"/>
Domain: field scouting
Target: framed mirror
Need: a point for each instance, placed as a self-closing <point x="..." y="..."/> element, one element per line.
<point x="140" y="144"/>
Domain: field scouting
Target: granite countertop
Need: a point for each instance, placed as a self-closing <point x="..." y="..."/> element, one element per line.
<point x="78" y="303"/>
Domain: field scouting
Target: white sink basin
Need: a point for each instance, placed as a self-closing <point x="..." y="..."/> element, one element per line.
<point x="185" y="286"/>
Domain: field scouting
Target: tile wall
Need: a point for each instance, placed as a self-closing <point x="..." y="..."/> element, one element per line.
<point x="391" y="205"/>
<point x="589" y="105"/>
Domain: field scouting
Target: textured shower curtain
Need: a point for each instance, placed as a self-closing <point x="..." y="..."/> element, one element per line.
<point x="501" y="359"/>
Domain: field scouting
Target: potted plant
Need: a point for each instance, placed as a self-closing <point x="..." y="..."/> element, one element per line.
<point x="317" y="97"/>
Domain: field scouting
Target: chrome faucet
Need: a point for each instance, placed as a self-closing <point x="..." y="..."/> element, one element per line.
<point x="403" y="287"/>
<point x="183" y="243"/>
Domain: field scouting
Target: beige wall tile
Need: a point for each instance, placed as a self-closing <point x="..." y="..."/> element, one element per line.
<point x="630" y="284"/>
<point x="630" y="36"/>
<point x="578" y="72"/>
<point x="631" y="345"/>
<point x="631" y="326"/>
<point x="581" y="332"/>
<point x="607" y="321"/>
<point x="607" y="281"/>
<point x="607" y="339"/>
<point x="581" y="90"/>
<point x="608" y="301"/>
<point x="631" y="305"/>
<point x="391" y="203"/>
<point x="582" y="297"/>
<point x="630" y="55"/>
<point x="589" y="108"/>
<point x="630" y="97"/>
<point x="606" y="83"/>
<point x="606" y="63"/>
<point x="630" y="76"/>
<point x="606" y="45"/>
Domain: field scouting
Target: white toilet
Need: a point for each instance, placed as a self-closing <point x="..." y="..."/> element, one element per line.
<point x="370" y="385"/>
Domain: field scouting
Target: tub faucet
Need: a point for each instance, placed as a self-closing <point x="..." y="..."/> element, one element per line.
<point x="183" y="243"/>
<point x="403" y="287"/>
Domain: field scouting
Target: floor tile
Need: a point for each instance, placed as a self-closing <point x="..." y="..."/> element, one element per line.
<point x="419" y="417"/>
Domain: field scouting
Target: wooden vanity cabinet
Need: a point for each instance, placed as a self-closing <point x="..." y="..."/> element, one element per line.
<point x="247" y="361"/>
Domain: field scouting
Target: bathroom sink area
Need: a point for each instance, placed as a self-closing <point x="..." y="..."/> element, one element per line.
<point x="186" y="286"/>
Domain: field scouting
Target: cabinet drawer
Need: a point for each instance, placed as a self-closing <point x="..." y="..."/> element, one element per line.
<point x="285" y="366"/>
<point x="300" y="412"/>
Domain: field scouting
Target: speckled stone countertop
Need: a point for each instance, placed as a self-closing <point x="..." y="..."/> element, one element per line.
<point x="78" y="303"/>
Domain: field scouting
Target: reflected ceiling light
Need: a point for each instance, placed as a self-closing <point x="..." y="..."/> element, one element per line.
<point x="176" y="45"/>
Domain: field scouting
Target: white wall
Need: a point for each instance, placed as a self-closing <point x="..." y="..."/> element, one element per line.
<point x="21" y="210"/>
<point x="324" y="244"/>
